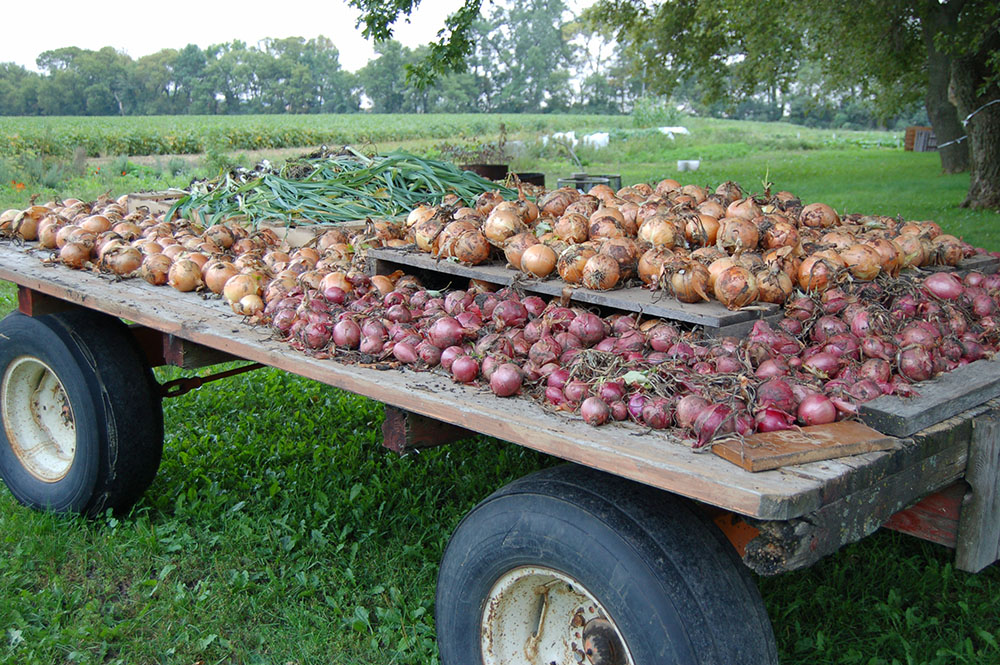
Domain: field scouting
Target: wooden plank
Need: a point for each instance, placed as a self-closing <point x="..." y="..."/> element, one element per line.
<point x="983" y="263"/>
<point x="978" y="542"/>
<point x="163" y="349"/>
<point x="943" y="397"/>
<point x="403" y="431"/>
<point x="650" y="303"/>
<point x="934" y="518"/>
<point x="771" y="450"/>
<point x="794" y="544"/>
<point x="36" y="303"/>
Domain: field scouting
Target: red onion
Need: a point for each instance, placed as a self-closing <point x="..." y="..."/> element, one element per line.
<point x="470" y="321"/>
<point x="509" y="314"/>
<point x="680" y="351"/>
<point x="517" y="340"/>
<point x="983" y="305"/>
<point x="915" y="363"/>
<point x="567" y="340"/>
<point x="611" y="391"/>
<point x="335" y="294"/>
<point x="816" y="409"/>
<point x="772" y="367"/>
<point x="973" y="278"/>
<point x="576" y="391"/>
<point x="619" y="410"/>
<point x="535" y="329"/>
<point x="347" y="333"/>
<point x="558" y="378"/>
<point x="373" y="328"/>
<point x="316" y="335"/>
<point x="457" y="301"/>
<point x="534" y="304"/>
<point x="688" y="409"/>
<point x="545" y="350"/>
<point x="905" y="307"/>
<point x="506" y="380"/>
<point x="589" y="328"/>
<point x="419" y="299"/>
<point x="703" y="367"/>
<point x="559" y="318"/>
<point x="864" y="390"/>
<point x="488" y="366"/>
<point x="656" y="358"/>
<point x="464" y="369"/>
<point x="876" y="347"/>
<point x="777" y="393"/>
<point x="371" y="345"/>
<point x="801" y="308"/>
<point x="826" y="327"/>
<point x="449" y="354"/>
<point x="282" y="320"/>
<point x="770" y="419"/>
<point x="662" y="336"/>
<point x="861" y="323"/>
<point x="876" y="369"/>
<point x="429" y="353"/>
<point x="715" y="420"/>
<point x="394" y="298"/>
<point x="631" y="340"/>
<point x="404" y="352"/>
<point x="991" y="282"/>
<point x="636" y="401"/>
<point x="494" y="344"/>
<point x="555" y="396"/>
<point x="568" y="355"/>
<point x="826" y="364"/>
<point x="607" y="344"/>
<point x="728" y="365"/>
<point x="950" y="349"/>
<point x="790" y="326"/>
<point x="920" y="333"/>
<point x="595" y="411"/>
<point x="547" y="369"/>
<point x="943" y="285"/>
<point x="844" y="344"/>
<point x="972" y="350"/>
<point x="656" y="413"/>
<point x="531" y="372"/>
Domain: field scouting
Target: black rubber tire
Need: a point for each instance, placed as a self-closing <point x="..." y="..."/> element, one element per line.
<point x="116" y="407"/>
<point x="673" y="585"/>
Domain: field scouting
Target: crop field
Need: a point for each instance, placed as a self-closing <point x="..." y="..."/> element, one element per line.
<point x="279" y="531"/>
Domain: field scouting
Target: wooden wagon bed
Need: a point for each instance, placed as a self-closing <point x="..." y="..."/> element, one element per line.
<point x="797" y="513"/>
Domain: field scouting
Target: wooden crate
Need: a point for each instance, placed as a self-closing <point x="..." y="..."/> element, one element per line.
<point x="919" y="139"/>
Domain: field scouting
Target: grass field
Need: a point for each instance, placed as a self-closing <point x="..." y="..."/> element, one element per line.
<point x="279" y="531"/>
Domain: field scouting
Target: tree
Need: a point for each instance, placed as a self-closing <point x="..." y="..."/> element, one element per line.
<point x="894" y="50"/>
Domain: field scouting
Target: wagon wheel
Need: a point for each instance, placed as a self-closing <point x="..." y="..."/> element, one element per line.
<point x="82" y="425"/>
<point x="571" y="565"/>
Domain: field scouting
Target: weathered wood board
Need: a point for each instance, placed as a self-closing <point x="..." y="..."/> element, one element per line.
<point x="943" y="397"/>
<point x="933" y="518"/>
<point x="983" y="263"/>
<point x="650" y="303"/>
<point x="772" y="450"/>
<point x="978" y="539"/>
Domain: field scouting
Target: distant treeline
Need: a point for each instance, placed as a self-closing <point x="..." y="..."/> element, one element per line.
<point x="542" y="67"/>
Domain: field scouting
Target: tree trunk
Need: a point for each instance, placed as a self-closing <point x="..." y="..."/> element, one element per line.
<point x="942" y="113"/>
<point x="971" y="97"/>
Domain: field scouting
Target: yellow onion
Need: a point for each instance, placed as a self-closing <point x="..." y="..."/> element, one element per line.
<point x="773" y="285"/>
<point x="155" y="269"/>
<point x="689" y="282"/>
<point x="717" y="267"/>
<point x="538" y="260"/>
<point x="735" y="287"/>
<point x="744" y="209"/>
<point x="700" y="230"/>
<point x="184" y="275"/>
<point x="625" y="251"/>
<point x="451" y="231"/>
<point x="818" y="215"/>
<point x="779" y="233"/>
<point x="221" y="235"/>
<point x="310" y="279"/>
<point x="706" y="255"/>
<point x="501" y="225"/>
<point x="338" y="279"/>
<point x="888" y="254"/>
<point x="817" y="273"/>
<point x="572" y="261"/>
<point x="653" y="262"/>
<point x="946" y="249"/>
<point x="47" y="233"/>
<point x="712" y="208"/>
<point x="248" y="305"/>
<point x="666" y="186"/>
<point x="862" y="261"/>
<point x="737" y="234"/>
<point x="241" y="285"/>
<point x="605" y="226"/>
<point x="571" y="227"/>
<point x="487" y="201"/>
<point x="419" y="214"/>
<point x="600" y="273"/>
<point x="515" y="246"/>
<point x="74" y="255"/>
<point x="658" y="230"/>
<point x="554" y="203"/>
<point x="425" y="233"/>
<point x="96" y="224"/>
<point x="697" y="194"/>
<point x="122" y="260"/>
<point x="470" y="247"/>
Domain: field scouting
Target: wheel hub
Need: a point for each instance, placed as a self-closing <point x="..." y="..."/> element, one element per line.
<point x="540" y="616"/>
<point x="38" y="419"/>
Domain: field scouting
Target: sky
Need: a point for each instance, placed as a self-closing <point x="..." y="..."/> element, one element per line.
<point x="139" y="28"/>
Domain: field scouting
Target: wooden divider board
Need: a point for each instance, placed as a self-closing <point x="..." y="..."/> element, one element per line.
<point x="650" y="303"/>
<point x="772" y="450"/>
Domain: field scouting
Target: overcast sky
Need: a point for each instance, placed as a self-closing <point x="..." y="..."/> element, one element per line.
<point x="139" y="28"/>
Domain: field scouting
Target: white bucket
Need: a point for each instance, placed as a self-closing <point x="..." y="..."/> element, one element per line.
<point x="688" y="164"/>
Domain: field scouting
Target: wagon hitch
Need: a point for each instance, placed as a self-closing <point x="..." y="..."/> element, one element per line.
<point x="179" y="387"/>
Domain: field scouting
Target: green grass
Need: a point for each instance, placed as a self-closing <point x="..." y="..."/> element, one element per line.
<point x="278" y="530"/>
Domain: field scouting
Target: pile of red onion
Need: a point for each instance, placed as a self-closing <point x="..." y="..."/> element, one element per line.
<point x="831" y="351"/>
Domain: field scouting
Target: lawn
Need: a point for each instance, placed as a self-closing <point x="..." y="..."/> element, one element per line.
<point x="279" y="531"/>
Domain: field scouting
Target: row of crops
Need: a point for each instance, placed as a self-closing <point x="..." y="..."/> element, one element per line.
<point x="167" y="135"/>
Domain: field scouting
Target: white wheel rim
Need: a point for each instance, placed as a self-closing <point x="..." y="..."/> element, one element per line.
<point x="540" y="616"/>
<point x="38" y="419"/>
